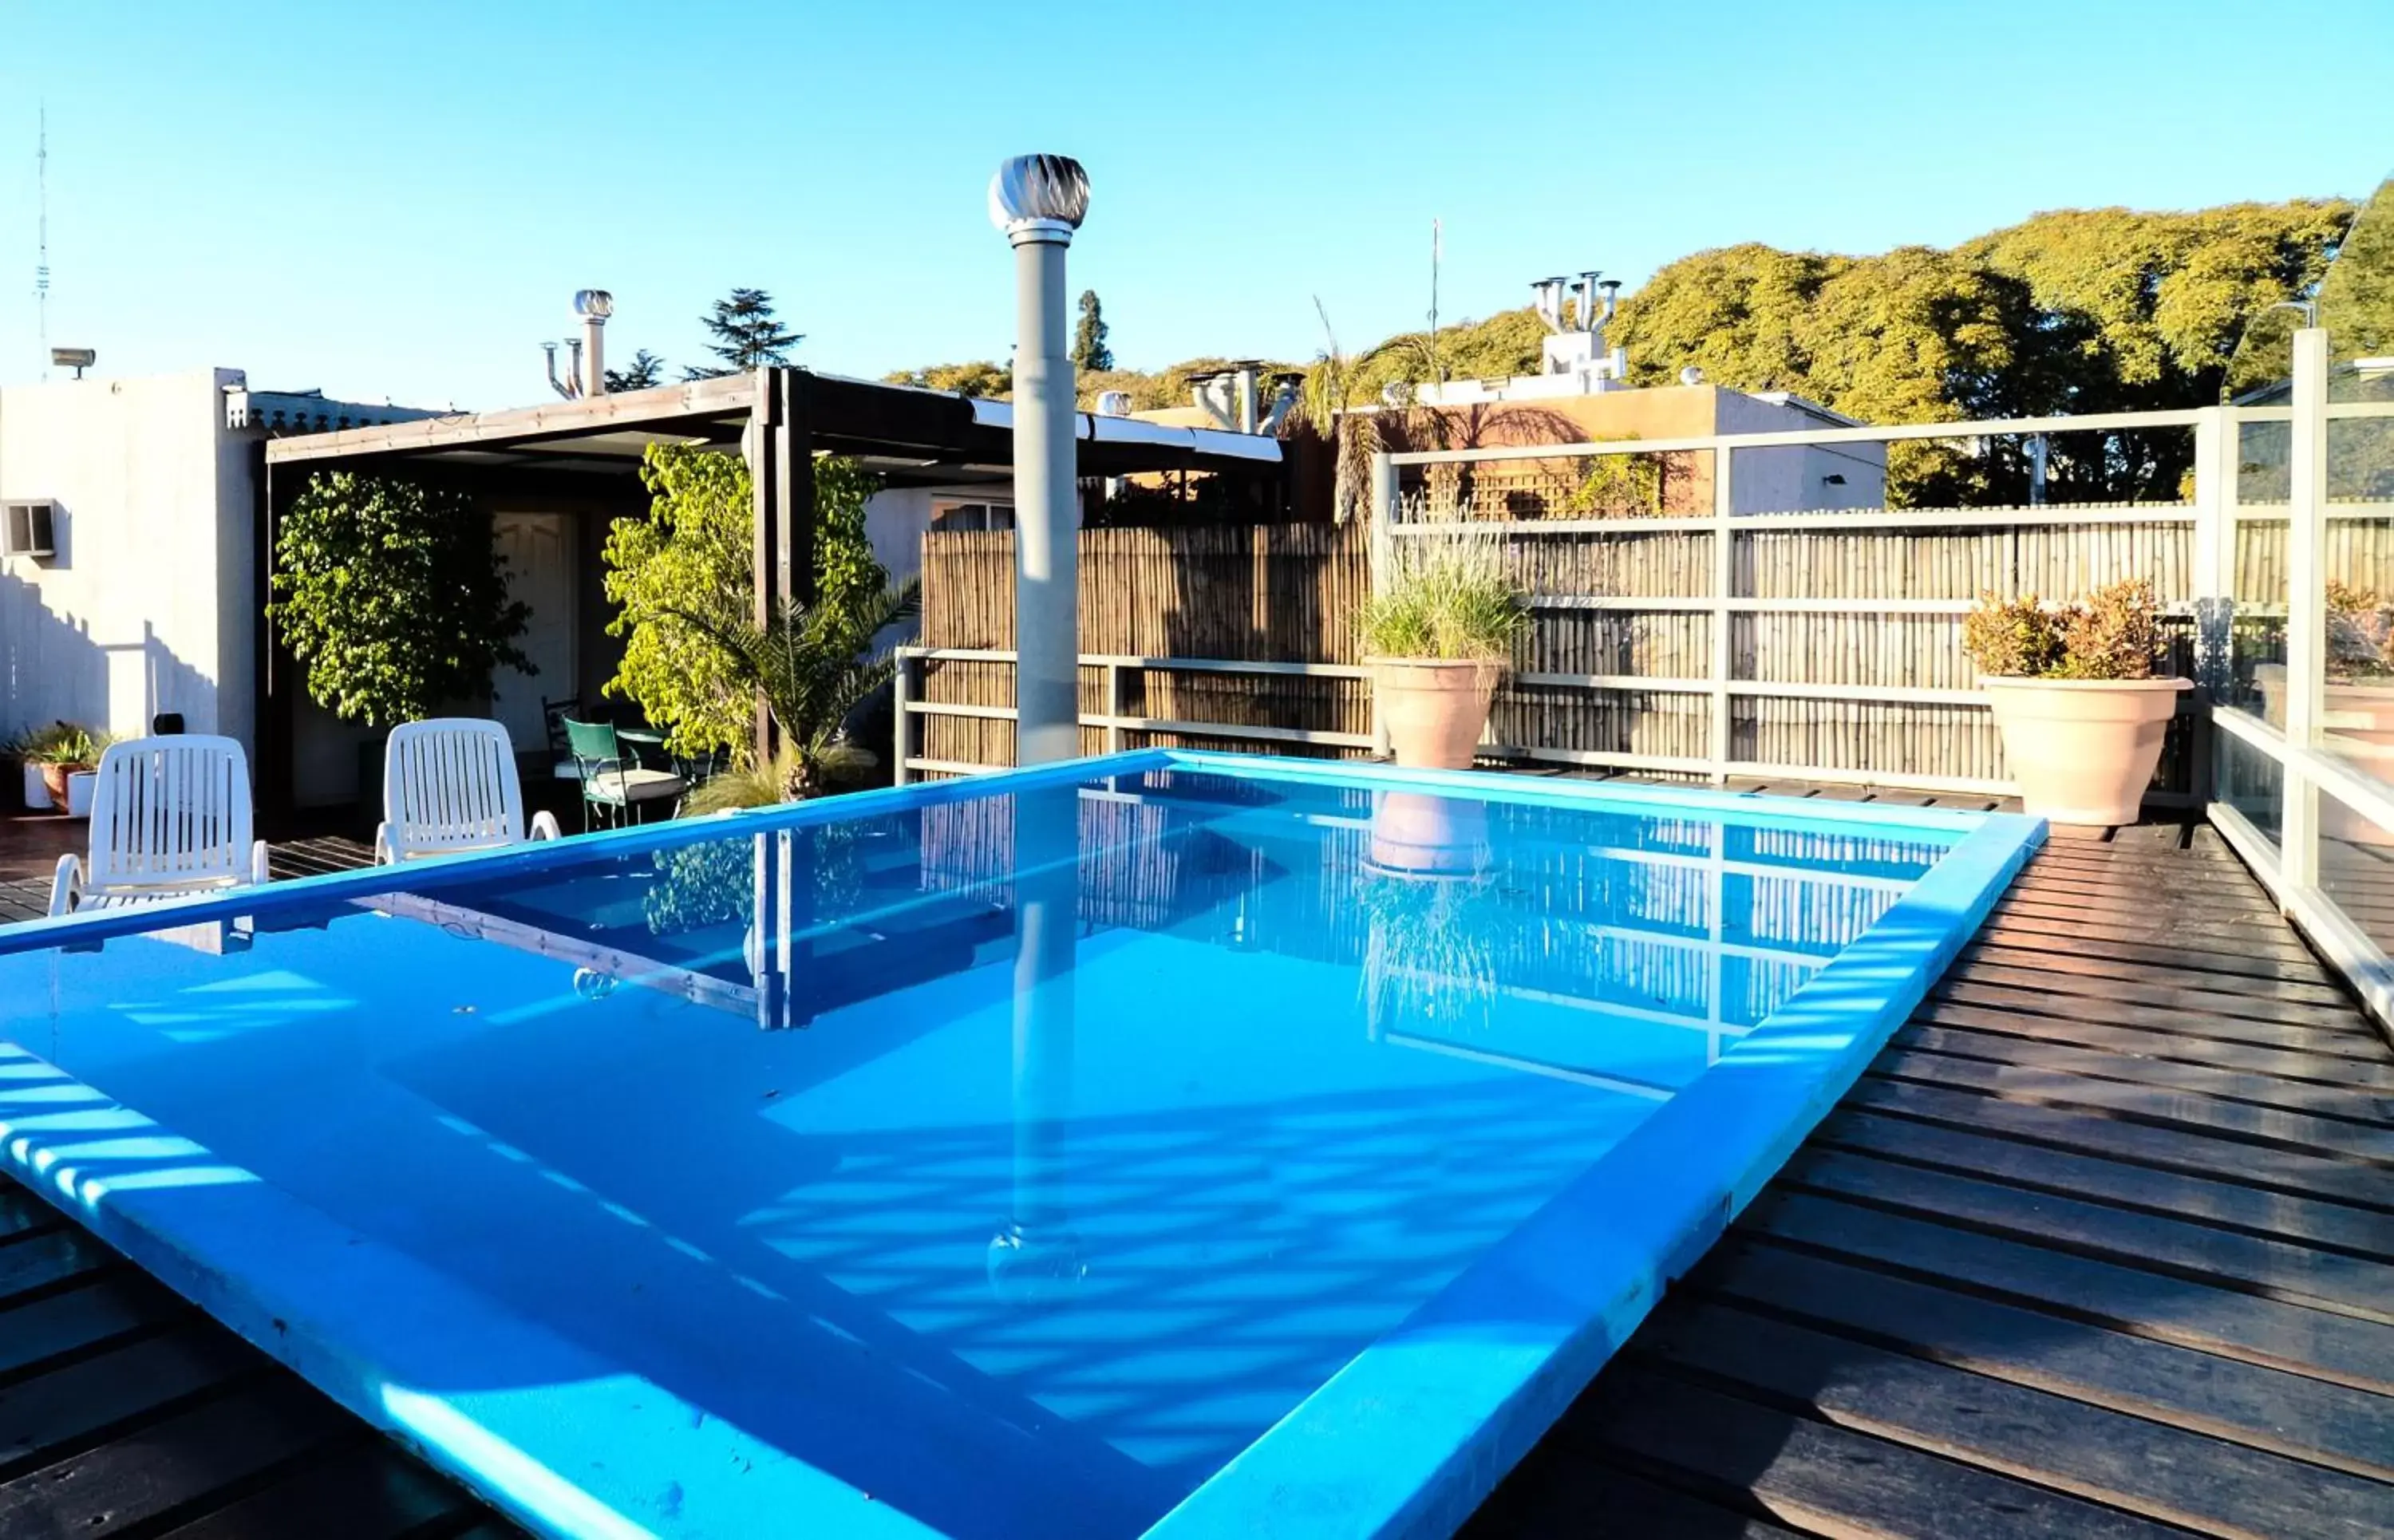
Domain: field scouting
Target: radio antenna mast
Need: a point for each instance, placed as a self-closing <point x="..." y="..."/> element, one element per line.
<point x="42" y="261"/>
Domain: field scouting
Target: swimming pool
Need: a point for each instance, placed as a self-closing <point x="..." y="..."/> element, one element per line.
<point x="1172" y="1142"/>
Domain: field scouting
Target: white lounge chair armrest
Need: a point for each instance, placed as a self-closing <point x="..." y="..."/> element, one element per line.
<point x="543" y="825"/>
<point x="383" y="854"/>
<point x="66" y="889"/>
<point x="259" y="870"/>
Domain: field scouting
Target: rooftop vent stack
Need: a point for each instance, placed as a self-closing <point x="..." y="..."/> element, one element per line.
<point x="1550" y="302"/>
<point x="1246" y="386"/>
<point x="1612" y="287"/>
<point x="594" y="306"/>
<point x="1590" y="321"/>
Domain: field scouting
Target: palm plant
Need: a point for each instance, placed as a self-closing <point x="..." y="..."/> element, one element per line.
<point x="813" y="663"/>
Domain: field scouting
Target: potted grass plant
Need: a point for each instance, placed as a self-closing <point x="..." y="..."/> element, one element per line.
<point x="2074" y="694"/>
<point x="1438" y="634"/>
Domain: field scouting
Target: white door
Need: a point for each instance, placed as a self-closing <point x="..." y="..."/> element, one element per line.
<point x="539" y="550"/>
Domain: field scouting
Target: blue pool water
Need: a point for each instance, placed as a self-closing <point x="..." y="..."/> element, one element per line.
<point x="1015" y="1156"/>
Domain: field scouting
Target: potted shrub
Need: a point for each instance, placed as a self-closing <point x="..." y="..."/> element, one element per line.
<point x="1438" y="635"/>
<point x="2074" y="696"/>
<point x="54" y="758"/>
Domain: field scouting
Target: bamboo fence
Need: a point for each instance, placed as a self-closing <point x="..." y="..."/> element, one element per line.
<point x="1290" y="594"/>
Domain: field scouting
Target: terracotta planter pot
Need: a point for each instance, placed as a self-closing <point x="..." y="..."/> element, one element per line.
<point x="1434" y="711"/>
<point x="54" y="780"/>
<point x="2084" y="750"/>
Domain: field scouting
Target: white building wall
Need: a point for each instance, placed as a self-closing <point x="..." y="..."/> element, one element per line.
<point x="148" y="604"/>
<point x="1811" y="477"/>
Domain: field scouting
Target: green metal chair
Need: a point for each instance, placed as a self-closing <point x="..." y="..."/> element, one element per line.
<point x="613" y="780"/>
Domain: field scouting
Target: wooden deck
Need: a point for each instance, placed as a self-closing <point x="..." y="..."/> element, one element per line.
<point x="2103" y="1245"/>
<point x="2099" y="1246"/>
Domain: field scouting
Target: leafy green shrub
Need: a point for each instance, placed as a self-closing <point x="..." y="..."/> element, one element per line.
<point x="684" y="577"/>
<point x="1444" y="596"/>
<point x="2114" y="634"/>
<point x="394" y="596"/>
<point x="2015" y="638"/>
<point x="693" y="553"/>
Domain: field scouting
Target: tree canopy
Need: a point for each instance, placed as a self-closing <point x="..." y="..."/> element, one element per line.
<point x="981" y="377"/>
<point x="1089" y="349"/>
<point x="747" y="335"/>
<point x="2078" y="311"/>
<point x="645" y="370"/>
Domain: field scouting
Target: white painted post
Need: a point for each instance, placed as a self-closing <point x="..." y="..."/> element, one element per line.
<point x="2306" y="605"/>
<point x="1383" y="515"/>
<point x="901" y="693"/>
<point x="1039" y="200"/>
<point x="1113" y="708"/>
<point x="1724" y="578"/>
<point x="2215" y="556"/>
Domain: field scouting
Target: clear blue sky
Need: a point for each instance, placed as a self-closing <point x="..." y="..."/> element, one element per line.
<point x="397" y="201"/>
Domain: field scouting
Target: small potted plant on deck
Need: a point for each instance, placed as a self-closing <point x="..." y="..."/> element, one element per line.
<point x="60" y="760"/>
<point x="2075" y="698"/>
<point x="1438" y="635"/>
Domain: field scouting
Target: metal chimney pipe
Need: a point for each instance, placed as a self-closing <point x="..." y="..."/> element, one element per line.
<point x="1039" y="200"/>
<point x="1588" y="320"/>
<point x="594" y="306"/>
<point x="1612" y="287"/>
<point x="1246" y="398"/>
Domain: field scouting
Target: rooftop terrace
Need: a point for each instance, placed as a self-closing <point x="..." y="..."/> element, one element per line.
<point x="2100" y="1245"/>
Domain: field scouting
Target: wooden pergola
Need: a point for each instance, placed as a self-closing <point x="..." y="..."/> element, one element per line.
<point x="586" y="455"/>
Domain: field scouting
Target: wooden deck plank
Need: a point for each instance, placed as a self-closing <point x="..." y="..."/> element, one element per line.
<point x="2335" y="1348"/>
<point x="367" y="1490"/>
<point x="1566" y="1498"/>
<point x="2151" y="1469"/>
<point x="2179" y="1248"/>
<point x="1821" y="1477"/>
<point x="152" y="1471"/>
<point x="2290" y="963"/>
<point x="1990" y="986"/>
<point x="2159" y="1105"/>
<point x="2373" y="1138"/>
<point x="2298" y="1053"/>
<point x="2162" y="1145"/>
<point x="2182" y="997"/>
<point x="2014" y="1341"/>
<point x="1995" y="953"/>
<point x="2037" y="1168"/>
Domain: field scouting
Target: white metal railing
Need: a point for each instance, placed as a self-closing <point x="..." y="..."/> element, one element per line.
<point x="2311" y="778"/>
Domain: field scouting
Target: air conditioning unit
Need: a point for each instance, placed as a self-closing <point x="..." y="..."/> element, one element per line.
<point x="29" y="529"/>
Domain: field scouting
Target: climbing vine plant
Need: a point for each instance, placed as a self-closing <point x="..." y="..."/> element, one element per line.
<point x="393" y="596"/>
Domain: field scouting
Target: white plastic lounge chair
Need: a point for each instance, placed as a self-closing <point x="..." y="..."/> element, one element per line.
<point x="169" y="816"/>
<point x="450" y="785"/>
